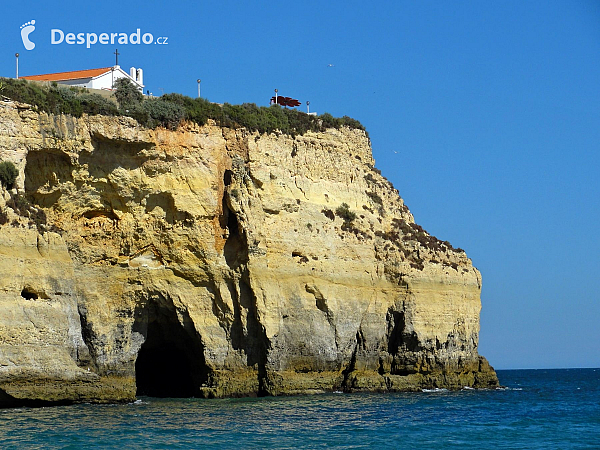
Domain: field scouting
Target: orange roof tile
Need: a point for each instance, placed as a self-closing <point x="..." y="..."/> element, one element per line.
<point x="73" y="75"/>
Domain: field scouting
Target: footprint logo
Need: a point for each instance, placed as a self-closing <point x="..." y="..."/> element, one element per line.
<point x="26" y="30"/>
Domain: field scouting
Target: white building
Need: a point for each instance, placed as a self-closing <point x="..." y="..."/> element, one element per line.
<point x="103" y="78"/>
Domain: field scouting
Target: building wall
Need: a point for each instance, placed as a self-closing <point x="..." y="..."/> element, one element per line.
<point x="106" y="81"/>
<point x="84" y="82"/>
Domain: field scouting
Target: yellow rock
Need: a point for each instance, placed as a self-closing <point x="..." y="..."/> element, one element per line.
<point x="215" y="262"/>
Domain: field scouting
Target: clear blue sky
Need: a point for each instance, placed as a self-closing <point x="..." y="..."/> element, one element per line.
<point x="492" y="107"/>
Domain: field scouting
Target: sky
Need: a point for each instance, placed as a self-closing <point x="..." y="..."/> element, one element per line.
<point x="485" y="115"/>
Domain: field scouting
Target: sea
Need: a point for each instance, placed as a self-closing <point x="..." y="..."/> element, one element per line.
<point x="536" y="409"/>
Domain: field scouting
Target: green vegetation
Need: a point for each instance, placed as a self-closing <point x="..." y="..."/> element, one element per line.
<point x="8" y="174"/>
<point x="346" y="214"/>
<point x="57" y="99"/>
<point x="19" y="204"/>
<point x="377" y="200"/>
<point x="127" y="94"/>
<point x="404" y="231"/>
<point x="264" y="119"/>
<point x="94" y="104"/>
<point x="168" y="110"/>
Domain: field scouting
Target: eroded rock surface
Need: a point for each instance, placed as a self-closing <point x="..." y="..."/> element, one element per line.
<point x="212" y="262"/>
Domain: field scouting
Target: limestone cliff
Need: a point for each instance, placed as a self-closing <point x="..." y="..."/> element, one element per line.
<point x="215" y="262"/>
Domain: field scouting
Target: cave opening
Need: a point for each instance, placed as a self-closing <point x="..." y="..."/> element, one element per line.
<point x="227" y="177"/>
<point x="399" y="339"/>
<point x="29" y="295"/>
<point x="171" y="362"/>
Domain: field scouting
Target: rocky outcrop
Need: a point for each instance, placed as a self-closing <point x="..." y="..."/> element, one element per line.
<point x="215" y="262"/>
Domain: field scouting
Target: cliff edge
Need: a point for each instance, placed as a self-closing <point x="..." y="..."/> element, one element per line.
<point x="215" y="262"/>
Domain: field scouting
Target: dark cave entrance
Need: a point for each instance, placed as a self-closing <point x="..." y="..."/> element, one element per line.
<point x="170" y="363"/>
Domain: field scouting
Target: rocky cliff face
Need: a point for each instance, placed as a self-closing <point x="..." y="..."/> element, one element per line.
<point x="214" y="262"/>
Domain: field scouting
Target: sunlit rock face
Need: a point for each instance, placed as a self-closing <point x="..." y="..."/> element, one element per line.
<point x="215" y="262"/>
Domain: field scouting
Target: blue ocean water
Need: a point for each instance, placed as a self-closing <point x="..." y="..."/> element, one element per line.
<point x="539" y="409"/>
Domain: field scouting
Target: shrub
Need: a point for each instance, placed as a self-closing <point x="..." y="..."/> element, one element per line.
<point x="369" y="177"/>
<point x="375" y="198"/>
<point x="19" y="204"/>
<point x="414" y="232"/>
<point x="254" y="118"/>
<point x="126" y="93"/>
<point x="95" y="104"/>
<point x="343" y="211"/>
<point x="300" y="123"/>
<point x="138" y="112"/>
<point x="24" y="92"/>
<point x="328" y="121"/>
<point x="57" y="99"/>
<point x="164" y="113"/>
<point x="197" y="110"/>
<point x="64" y="100"/>
<point x="8" y="174"/>
<point x="350" y="122"/>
